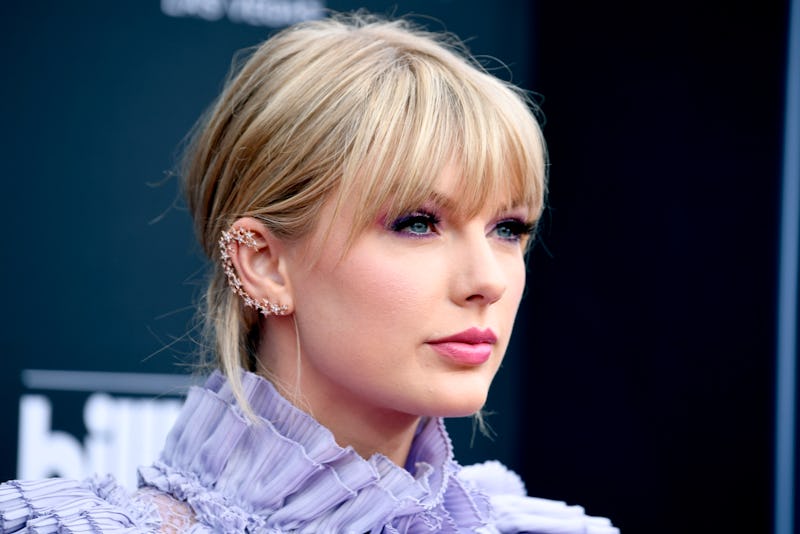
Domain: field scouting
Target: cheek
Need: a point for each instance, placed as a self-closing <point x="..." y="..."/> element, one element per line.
<point x="517" y="280"/>
<point x="511" y="262"/>
<point x="367" y="297"/>
<point x="515" y="288"/>
<point x="382" y="287"/>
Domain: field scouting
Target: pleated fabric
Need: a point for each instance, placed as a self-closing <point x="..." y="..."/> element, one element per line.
<point x="286" y="473"/>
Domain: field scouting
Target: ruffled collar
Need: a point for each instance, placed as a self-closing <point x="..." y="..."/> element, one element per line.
<point x="288" y="474"/>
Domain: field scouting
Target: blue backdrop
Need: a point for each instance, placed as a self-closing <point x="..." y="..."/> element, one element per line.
<point x="640" y="379"/>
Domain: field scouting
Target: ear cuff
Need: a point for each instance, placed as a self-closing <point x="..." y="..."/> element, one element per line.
<point x="236" y="236"/>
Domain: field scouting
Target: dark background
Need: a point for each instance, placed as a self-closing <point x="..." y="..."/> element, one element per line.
<point x="653" y="318"/>
<point x="640" y="381"/>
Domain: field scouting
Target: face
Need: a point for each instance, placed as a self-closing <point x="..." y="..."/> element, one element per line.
<point x="416" y="316"/>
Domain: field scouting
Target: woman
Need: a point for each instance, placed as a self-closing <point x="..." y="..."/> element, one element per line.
<point x="366" y="195"/>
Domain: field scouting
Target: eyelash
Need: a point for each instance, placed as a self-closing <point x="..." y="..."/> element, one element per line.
<point x="518" y="228"/>
<point x="402" y="224"/>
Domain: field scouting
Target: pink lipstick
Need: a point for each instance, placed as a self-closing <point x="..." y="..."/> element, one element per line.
<point x="470" y="347"/>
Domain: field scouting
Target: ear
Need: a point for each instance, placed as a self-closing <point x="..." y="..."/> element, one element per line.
<point x="258" y="260"/>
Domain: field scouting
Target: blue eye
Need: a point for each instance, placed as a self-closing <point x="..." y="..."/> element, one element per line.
<point x="415" y="224"/>
<point x="513" y="230"/>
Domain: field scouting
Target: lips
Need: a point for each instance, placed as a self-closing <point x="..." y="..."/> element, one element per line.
<point x="470" y="347"/>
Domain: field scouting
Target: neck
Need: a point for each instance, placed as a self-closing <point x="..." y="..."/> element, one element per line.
<point x="369" y="431"/>
<point x="353" y="421"/>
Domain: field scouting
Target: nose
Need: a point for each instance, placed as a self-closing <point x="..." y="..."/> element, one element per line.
<point x="479" y="278"/>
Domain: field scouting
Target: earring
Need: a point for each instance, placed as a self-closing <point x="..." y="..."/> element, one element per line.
<point x="241" y="236"/>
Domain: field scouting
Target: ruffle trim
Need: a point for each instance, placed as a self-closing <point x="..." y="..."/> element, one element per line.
<point x="288" y="473"/>
<point x="513" y="511"/>
<point x="65" y="506"/>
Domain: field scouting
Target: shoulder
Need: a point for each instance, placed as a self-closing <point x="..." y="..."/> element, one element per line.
<point x="94" y="505"/>
<point x="512" y="510"/>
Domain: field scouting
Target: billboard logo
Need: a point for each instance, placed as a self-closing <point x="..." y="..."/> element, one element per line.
<point x="122" y="431"/>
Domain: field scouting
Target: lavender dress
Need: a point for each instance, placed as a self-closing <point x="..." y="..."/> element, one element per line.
<point x="220" y="473"/>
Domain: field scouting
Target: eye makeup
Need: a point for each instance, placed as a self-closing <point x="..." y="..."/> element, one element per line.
<point x="419" y="223"/>
<point x="513" y="229"/>
<point x="425" y="222"/>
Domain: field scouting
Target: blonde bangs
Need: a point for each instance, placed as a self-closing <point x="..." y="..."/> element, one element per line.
<point x="423" y="114"/>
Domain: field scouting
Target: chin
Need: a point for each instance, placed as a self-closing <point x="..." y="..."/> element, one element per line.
<point x="464" y="395"/>
<point x="456" y="405"/>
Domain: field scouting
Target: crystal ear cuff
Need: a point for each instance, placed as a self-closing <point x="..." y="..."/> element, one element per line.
<point x="240" y="236"/>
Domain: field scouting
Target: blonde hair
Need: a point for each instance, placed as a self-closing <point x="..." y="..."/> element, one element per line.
<point x="349" y="108"/>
